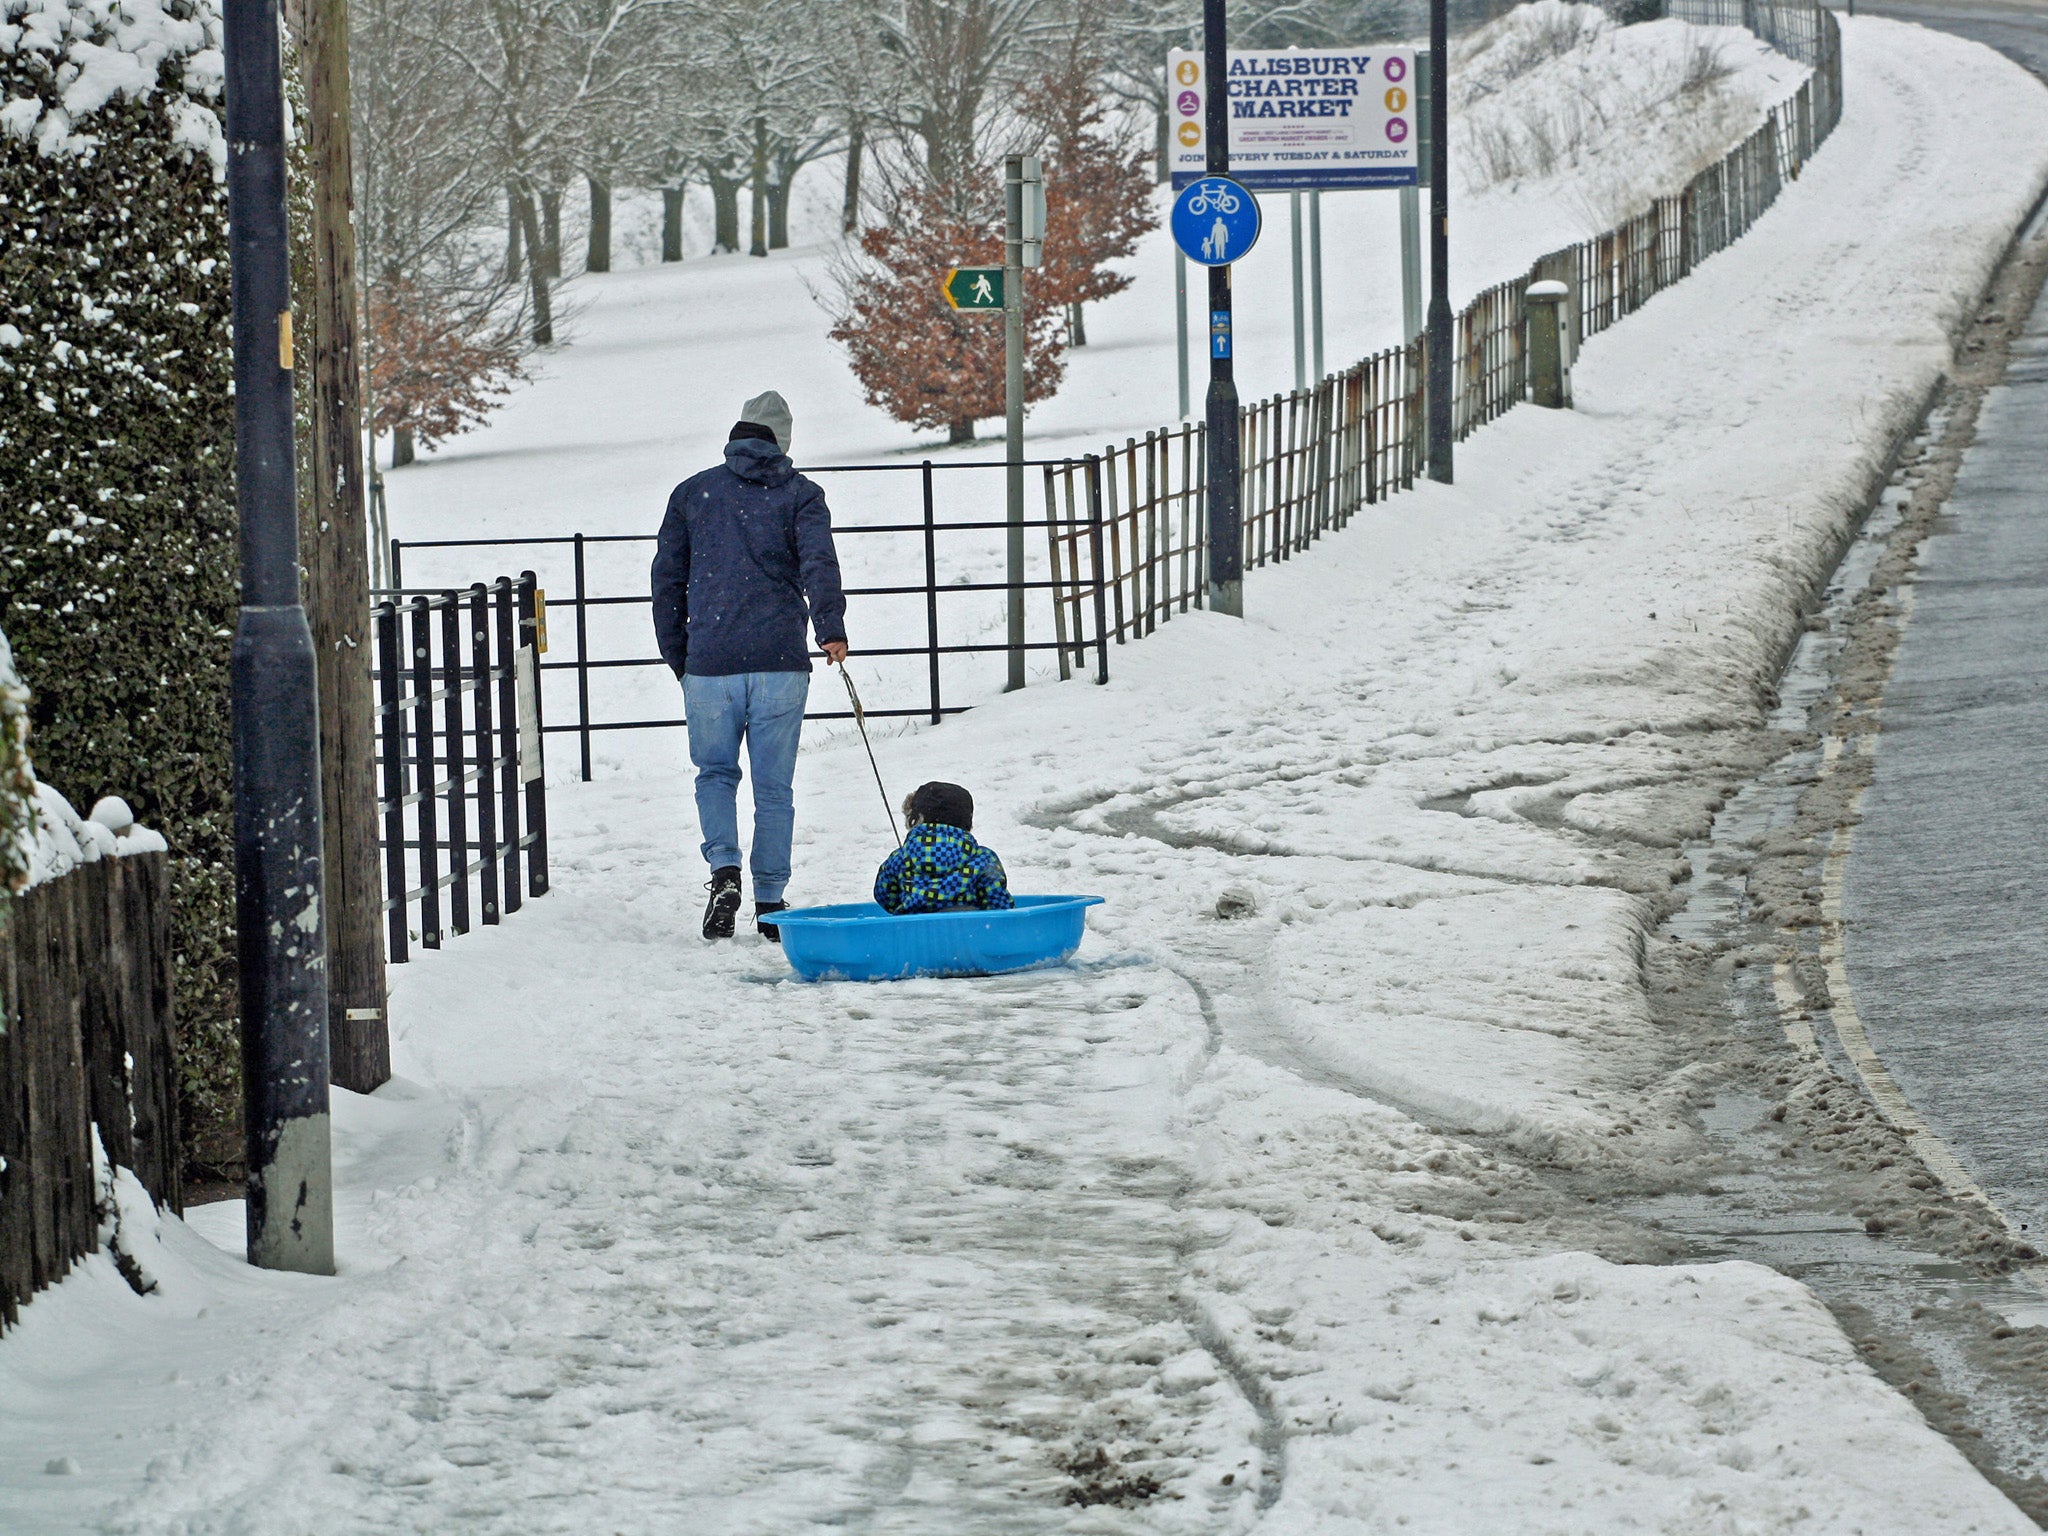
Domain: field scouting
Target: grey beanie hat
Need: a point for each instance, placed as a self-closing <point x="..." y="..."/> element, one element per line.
<point x="769" y="410"/>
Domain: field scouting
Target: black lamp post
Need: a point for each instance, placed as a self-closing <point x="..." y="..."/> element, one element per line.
<point x="278" y="909"/>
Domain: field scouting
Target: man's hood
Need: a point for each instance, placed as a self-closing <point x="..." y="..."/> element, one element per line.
<point x="756" y="459"/>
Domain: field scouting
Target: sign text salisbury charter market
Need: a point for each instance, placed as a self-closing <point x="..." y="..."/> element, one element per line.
<point x="1303" y="118"/>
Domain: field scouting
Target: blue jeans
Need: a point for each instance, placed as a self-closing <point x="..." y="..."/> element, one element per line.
<point x="767" y="710"/>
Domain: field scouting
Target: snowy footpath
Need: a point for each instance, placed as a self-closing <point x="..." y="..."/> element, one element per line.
<point x="1234" y="1224"/>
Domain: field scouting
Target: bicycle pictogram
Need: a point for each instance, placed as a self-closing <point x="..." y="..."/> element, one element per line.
<point x="1213" y="199"/>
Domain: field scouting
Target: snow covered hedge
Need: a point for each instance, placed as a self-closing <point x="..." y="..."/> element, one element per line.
<point x="117" y="521"/>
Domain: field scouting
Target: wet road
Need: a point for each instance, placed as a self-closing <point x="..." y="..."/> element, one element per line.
<point x="1946" y="893"/>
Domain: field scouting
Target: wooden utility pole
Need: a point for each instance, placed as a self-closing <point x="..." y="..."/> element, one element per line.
<point x="335" y="550"/>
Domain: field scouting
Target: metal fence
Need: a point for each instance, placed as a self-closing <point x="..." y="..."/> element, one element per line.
<point x="1072" y="617"/>
<point x="1313" y="456"/>
<point x="1311" y="459"/>
<point x="463" y="795"/>
<point x="1614" y="274"/>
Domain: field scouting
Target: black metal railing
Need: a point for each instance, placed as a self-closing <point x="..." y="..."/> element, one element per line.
<point x="463" y="801"/>
<point x="1076" y="588"/>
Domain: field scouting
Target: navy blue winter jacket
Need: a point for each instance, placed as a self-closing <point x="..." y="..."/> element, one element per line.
<point x="745" y="553"/>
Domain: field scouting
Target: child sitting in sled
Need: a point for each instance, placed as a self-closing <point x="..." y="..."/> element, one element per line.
<point x="940" y="867"/>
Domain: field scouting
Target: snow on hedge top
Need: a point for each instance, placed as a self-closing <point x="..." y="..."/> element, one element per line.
<point x="41" y="836"/>
<point x="100" y="51"/>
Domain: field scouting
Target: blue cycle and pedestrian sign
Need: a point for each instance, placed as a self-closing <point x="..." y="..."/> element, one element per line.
<point x="1215" y="221"/>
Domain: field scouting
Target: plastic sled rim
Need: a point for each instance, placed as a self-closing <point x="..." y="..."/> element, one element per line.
<point x="850" y="914"/>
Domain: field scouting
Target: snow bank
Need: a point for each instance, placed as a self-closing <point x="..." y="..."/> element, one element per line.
<point x="1611" y="116"/>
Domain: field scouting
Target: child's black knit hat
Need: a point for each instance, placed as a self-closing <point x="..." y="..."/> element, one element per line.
<point x="947" y="804"/>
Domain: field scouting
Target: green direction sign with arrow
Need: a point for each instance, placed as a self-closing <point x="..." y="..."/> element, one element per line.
<point x="975" y="287"/>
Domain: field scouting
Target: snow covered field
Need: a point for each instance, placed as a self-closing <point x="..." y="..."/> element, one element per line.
<point x="1229" y="1226"/>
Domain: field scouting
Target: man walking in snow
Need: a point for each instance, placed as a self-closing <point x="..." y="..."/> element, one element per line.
<point x="744" y="558"/>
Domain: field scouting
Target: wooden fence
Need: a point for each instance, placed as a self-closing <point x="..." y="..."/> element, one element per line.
<point x="1312" y="457"/>
<point x="86" y="1039"/>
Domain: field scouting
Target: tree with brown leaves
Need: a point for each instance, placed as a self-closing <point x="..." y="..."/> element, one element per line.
<point x="432" y="375"/>
<point x="916" y="357"/>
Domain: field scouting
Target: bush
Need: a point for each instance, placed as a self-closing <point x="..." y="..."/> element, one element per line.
<point x="117" y="537"/>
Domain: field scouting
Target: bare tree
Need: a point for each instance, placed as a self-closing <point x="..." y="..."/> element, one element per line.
<point x="428" y="181"/>
<point x="545" y="72"/>
<point x="954" y="61"/>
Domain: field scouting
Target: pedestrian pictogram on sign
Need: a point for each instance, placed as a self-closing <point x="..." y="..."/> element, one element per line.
<point x="975" y="287"/>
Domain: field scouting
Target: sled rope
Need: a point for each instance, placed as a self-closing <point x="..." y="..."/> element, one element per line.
<point x="860" y="719"/>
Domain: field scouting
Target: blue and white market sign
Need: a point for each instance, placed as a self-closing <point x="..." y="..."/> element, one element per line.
<point x="1215" y="221"/>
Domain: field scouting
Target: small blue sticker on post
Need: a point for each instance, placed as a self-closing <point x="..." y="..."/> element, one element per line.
<point x="1219" y="333"/>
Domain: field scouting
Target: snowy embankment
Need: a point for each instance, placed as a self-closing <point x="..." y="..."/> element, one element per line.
<point x="1233" y="1224"/>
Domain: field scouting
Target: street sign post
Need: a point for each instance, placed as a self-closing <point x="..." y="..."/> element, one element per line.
<point x="1023" y="246"/>
<point x="975" y="288"/>
<point x="1302" y="119"/>
<point x="1225" y="484"/>
<point x="1437" y="367"/>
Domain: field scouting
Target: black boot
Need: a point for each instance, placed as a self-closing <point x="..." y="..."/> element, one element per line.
<point x="768" y="930"/>
<point x="724" y="904"/>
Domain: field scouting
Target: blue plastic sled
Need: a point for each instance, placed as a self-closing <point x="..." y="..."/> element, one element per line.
<point x="858" y="941"/>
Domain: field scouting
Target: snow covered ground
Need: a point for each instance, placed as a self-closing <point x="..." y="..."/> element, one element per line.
<point x="1232" y="1224"/>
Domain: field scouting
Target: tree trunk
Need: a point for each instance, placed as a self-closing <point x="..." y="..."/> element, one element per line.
<point x="514" y="258"/>
<point x="725" y="205"/>
<point x="759" y="247"/>
<point x="1162" y="147"/>
<point x="849" y="208"/>
<point x="960" y="431"/>
<point x="599" y="257"/>
<point x="671" y="223"/>
<point x="778" y="212"/>
<point x="1077" y="329"/>
<point x="543" y="299"/>
<point x="335" y="553"/>
<point x="401" y="447"/>
<point x="551" y="229"/>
